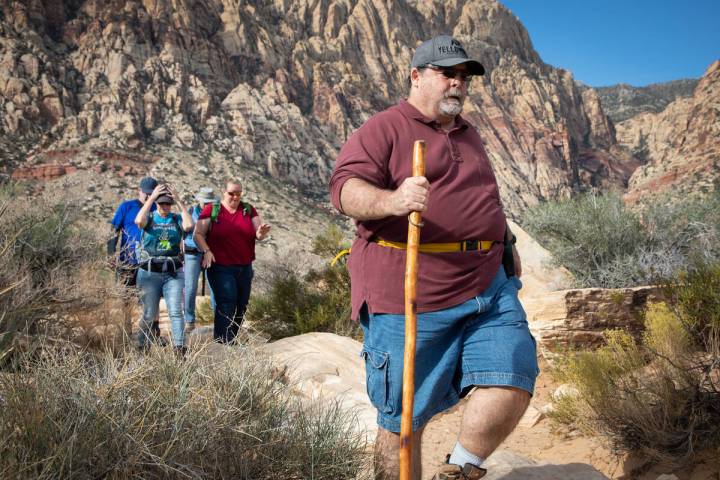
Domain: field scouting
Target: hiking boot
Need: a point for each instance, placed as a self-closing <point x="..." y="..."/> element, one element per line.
<point x="180" y="352"/>
<point x="454" y="472"/>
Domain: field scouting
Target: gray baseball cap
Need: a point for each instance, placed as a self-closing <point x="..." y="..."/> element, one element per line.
<point x="444" y="51"/>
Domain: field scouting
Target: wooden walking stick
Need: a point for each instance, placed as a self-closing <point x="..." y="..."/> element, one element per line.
<point x="406" y="427"/>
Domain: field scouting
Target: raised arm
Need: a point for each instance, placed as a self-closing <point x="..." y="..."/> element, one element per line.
<point x="141" y="218"/>
<point x="187" y="221"/>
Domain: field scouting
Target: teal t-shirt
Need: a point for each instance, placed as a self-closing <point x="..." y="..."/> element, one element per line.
<point x="162" y="236"/>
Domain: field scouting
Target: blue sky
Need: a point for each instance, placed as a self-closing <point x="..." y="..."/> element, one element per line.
<point x="632" y="41"/>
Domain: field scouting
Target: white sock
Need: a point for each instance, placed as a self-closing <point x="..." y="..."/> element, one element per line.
<point x="460" y="456"/>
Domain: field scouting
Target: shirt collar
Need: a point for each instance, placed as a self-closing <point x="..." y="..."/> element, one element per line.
<point x="411" y="112"/>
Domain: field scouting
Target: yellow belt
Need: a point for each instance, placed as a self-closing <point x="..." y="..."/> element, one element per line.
<point x="464" y="246"/>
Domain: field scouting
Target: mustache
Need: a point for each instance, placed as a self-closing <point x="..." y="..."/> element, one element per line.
<point x="453" y="92"/>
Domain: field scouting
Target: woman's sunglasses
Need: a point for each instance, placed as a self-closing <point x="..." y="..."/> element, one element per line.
<point x="234" y="194"/>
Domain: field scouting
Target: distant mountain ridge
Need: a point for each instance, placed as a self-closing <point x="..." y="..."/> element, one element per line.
<point x="623" y="101"/>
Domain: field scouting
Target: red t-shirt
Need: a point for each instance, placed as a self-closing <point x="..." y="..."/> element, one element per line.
<point x="464" y="205"/>
<point x="232" y="238"/>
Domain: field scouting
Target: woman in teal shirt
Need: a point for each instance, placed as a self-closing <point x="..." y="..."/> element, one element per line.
<point x="160" y="262"/>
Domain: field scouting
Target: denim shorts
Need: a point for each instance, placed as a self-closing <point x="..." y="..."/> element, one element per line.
<point x="484" y="341"/>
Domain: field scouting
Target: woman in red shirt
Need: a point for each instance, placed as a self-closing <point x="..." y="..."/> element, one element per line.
<point x="228" y="246"/>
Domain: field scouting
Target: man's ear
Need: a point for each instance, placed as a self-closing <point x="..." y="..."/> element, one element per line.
<point x="414" y="77"/>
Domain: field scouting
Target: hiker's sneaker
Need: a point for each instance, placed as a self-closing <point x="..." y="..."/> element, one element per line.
<point x="454" y="472"/>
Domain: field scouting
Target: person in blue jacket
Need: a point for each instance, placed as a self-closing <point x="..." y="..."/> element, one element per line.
<point x="127" y="233"/>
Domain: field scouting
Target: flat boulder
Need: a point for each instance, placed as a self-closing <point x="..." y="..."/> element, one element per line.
<point x="322" y="365"/>
<point x="506" y="465"/>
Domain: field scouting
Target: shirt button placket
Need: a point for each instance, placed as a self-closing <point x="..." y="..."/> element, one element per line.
<point x="454" y="150"/>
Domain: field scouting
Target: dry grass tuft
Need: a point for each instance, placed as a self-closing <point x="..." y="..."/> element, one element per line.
<point x="66" y="413"/>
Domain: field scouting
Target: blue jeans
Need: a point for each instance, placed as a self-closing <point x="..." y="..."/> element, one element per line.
<point x="192" y="267"/>
<point x="152" y="286"/>
<point x="231" y="285"/>
<point x="484" y="341"/>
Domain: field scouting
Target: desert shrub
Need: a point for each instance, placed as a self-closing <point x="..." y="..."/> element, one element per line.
<point x="50" y="272"/>
<point x="318" y="301"/>
<point x="659" y="395"/>
<point x="603" y="243"/>
<point x="221" y="413"/>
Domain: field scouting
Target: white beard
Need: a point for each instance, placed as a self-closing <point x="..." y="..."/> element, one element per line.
<point x="451" y="107"/>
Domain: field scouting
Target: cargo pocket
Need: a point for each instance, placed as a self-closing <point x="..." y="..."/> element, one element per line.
<point x="376" y="374"/>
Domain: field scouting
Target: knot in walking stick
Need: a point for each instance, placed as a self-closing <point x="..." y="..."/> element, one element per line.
<point x="411" y="268"/>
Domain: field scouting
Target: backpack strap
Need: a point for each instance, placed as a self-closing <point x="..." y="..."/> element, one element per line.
<point x="215" y="212"/>
<point x="247" y="208"/>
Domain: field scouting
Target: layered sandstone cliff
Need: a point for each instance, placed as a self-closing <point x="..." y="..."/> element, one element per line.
<point x="280" y="85"/>
<point x="681" y="144"/>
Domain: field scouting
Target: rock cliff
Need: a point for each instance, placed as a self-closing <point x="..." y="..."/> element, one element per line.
<point x="278" y="87"/>
<point x="624" y="101"/>
<point x="679" y="144"/>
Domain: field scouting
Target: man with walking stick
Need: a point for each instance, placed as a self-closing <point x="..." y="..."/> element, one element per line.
<point x="471" y="328"/>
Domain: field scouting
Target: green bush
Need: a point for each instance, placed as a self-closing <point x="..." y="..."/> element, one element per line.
<point x="318" y="301"/>
<point x="660" y="395"/>
<point x="221" y="413"/>
<point x="603" y="243"/>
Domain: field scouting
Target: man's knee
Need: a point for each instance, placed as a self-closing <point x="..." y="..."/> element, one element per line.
<point x="504" y="402"/>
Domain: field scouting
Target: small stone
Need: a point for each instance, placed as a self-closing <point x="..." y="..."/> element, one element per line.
<point x="547" y="409"/>
<point x="565" y="390"/>
<point x="667" y="476"/>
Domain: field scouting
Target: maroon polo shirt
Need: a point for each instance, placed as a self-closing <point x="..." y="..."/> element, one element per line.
<point x="464" y="205"/>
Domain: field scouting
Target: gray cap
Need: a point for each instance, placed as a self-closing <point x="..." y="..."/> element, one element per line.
<point x="206" y="195"/>
<point x="148" y="184"/>
<point x="444" y="51"/>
